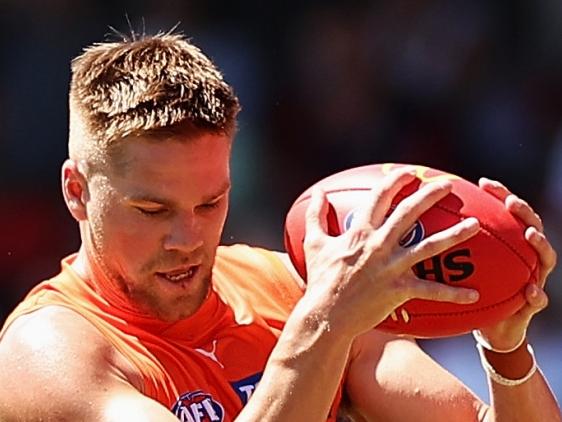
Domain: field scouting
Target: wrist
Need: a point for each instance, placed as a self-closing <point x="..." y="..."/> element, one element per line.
<point x="485" y="343"/>
<point x="509" y="368"/>
<point x="309" y="327"/>
<point x="319" y="310"/>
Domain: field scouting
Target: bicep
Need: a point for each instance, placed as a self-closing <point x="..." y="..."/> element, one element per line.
<point x="129" y="404"/>
<point x="75" y="402"/>
<point x="391" y="378"/>
<point x="49" y="375"/>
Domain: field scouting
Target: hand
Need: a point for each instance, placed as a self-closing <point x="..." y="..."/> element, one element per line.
<point x="508" y="333"/>
<point x="358" y="278"/>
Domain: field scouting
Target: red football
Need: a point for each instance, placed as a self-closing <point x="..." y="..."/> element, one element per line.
<point x="497" y="261"/>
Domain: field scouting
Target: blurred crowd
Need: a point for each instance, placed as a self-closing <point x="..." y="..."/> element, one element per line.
<point x="471" y="87"/>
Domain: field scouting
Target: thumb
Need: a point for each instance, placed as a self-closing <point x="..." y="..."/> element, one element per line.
<point x="537" y="300"/>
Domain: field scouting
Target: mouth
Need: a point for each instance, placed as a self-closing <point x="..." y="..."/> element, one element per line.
<point x="180" y="275"/>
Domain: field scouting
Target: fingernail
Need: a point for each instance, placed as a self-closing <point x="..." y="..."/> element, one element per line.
<point x="317" y="191"/>
<point x="444" y="184"/>
<point x="473" y="296"/>
<point x="512" y="200"/>
<point x="535" y="233"/>
<point x="411" y="170"/>
<point x="534" y="236"/>
<point x="471" y="222"/>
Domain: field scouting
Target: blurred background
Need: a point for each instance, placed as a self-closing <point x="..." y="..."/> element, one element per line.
<point x="471" y="87"/>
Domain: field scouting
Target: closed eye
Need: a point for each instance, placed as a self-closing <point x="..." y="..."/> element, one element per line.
<point x="151" y="211"/>
<point x="210" y="205"/>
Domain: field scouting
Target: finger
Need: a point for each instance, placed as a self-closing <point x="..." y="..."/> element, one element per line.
<point x="494" y="188"/>
<point x="537" y="299"/>
<point x="522" y="210"/>
<point x="441" y="241"/>
<point x="315" y="224"/>
<point x="513" y="203"/>
<point x="381" y="196"/>
<point x="409" y="210"/>
<point x="432" y="290"/>
<point x="546" y="253"/>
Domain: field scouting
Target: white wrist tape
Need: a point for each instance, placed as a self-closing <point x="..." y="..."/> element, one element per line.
<point x="500" y="379"/>
<point x="486" y="345"/>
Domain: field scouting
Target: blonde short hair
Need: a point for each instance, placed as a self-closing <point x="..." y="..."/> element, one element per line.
<point x="147" y="86"/>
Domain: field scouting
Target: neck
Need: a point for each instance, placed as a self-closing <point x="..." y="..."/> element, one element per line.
<point x="114" y="301"/>
<point x="81" y="265"/>
<point x="89" y="269"/>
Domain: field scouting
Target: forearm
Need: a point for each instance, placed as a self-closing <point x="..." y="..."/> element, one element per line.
<point x="303" y="373"/>
<point x="528" y="401"/>
<point x="532" y="401"/>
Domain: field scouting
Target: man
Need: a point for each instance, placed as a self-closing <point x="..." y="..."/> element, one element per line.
<point x="153" y="318"/>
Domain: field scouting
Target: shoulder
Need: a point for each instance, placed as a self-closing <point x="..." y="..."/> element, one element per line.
<point x="262" y="260"/>
<point x="243" y="253"/>
<point x="53" y="331"/>
<point x="260" y="277"/>
<point x="54" y="354"/>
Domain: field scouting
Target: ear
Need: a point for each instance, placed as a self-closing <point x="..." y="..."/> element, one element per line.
<point x="74" y="189"/>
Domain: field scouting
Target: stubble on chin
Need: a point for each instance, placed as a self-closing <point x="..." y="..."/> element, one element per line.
<point x="150" y="302"/>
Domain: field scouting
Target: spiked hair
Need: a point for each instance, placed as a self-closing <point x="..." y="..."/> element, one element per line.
<point x="145" y="86"/>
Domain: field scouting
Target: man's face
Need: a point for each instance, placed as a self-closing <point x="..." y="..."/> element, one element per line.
<point x="155" y="220"/>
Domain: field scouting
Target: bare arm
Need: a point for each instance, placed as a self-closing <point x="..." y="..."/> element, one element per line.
<point x="301" y="376"/>
<point x="354" y="281"/>
<point x="395" y="378"/>
<point x="57" y="367"/>
<point x="531" y="400"/>
<point x="391" y="378"/>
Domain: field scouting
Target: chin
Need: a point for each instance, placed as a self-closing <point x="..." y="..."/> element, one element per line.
<point x="175" y="316"/>
<point x="185" y="306"/>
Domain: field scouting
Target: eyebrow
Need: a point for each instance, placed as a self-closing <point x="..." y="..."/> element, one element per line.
<point x="223" y="190"/>
<point x="162" y="201"/>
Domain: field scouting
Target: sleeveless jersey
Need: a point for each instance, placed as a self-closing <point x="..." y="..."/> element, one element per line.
<point x="205" y="367"/>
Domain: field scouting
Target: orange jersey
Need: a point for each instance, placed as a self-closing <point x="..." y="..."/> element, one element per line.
<point x="205" y="367"/>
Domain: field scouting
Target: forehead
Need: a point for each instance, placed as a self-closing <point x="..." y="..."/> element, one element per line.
<point x="174" y="166"/>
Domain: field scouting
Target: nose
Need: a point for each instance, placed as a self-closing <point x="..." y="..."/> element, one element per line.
<point x="184" y="234"/>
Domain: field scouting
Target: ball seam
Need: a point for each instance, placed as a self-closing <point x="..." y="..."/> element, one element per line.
<point x="484" y="227"/>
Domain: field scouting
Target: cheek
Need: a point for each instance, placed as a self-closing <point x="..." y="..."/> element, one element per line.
<point x="217" y="224"/>
<point x="130" y="247"/>
<point x="100" y="210"/>
<point x="132" y="233"/>
<point x="122" y="237"/>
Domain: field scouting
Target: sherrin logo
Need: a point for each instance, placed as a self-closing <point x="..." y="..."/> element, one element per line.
<point x="417" y="233"/>
<point x="197" y="406"/>
<point x="414" y="236"/>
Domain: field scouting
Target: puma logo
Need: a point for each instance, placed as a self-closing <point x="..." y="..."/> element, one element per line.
<point x="211" y="355"/>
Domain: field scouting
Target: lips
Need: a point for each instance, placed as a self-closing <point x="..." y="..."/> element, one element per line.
<point x="179" y="275"/>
